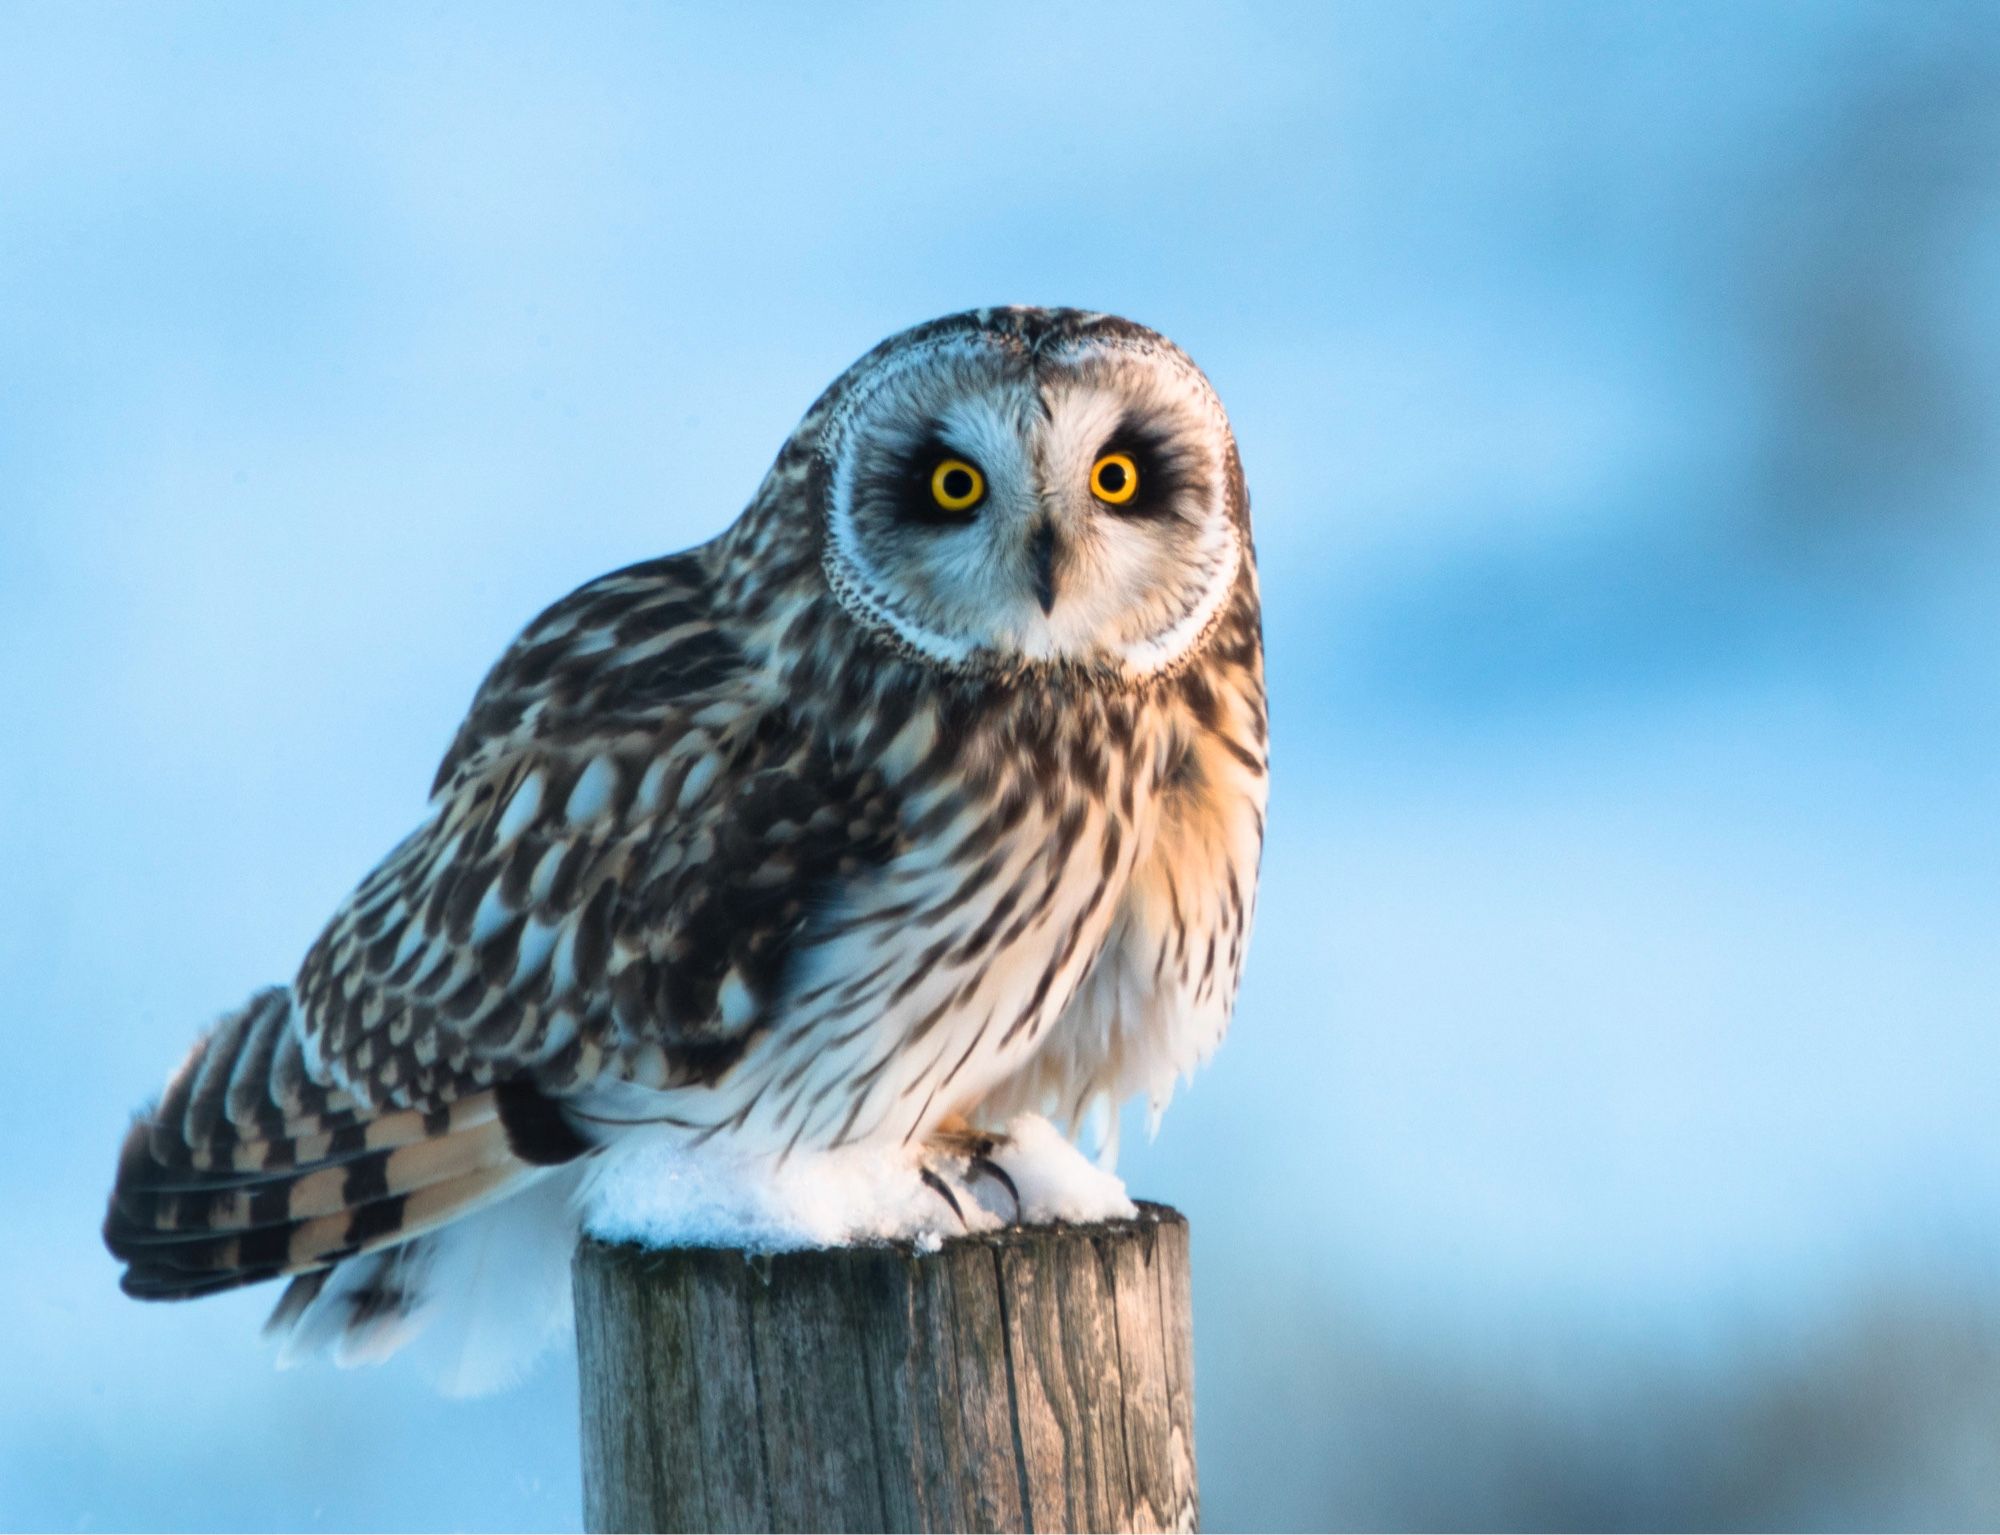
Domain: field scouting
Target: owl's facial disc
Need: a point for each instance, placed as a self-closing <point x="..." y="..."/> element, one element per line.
<point x="993" y="504"/>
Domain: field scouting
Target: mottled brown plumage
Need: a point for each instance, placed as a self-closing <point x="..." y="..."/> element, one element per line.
<point x="862" y="817"/>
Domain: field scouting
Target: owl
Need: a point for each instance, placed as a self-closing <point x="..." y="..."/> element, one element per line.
<point x="930" y="792"/>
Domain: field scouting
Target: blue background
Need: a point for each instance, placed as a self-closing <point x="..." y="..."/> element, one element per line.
<point x="1607" y="1134"/>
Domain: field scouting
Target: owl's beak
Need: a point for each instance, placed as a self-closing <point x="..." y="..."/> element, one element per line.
<point x="1043" y="548"/>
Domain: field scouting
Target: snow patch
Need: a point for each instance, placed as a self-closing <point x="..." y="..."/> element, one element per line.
<point x="657" y="1193"/>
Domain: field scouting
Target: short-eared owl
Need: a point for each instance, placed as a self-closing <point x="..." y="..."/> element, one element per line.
<point x="931" y="791"/>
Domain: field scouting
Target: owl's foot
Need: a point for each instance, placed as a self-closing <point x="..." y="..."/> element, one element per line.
<point x="957" y="1154"/>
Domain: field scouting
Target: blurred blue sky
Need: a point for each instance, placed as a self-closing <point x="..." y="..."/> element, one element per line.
<point x="1616" y="384"/>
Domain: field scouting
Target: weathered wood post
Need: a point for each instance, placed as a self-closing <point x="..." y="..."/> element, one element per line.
<point x="1036" y="1378"/>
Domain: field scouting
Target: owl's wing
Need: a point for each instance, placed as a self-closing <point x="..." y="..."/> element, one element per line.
<point x="631" y="832"/>
<point x="629" y="836"/>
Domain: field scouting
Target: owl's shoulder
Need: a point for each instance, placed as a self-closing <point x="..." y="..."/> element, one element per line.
<point x="619" y="656"/>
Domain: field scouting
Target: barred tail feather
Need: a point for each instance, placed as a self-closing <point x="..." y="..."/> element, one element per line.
<point x="249" y="1170"/>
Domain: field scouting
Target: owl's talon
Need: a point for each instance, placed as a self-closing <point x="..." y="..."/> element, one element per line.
<point x="986" y="1166"/>
<point x="943" y="1191"/>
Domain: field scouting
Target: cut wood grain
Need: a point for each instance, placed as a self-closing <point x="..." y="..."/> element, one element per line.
<point x="1035" y="1378"/>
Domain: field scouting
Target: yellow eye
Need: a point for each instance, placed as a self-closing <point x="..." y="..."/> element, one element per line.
<point x="1114" y="478"/>
<point x="957" y="486"/>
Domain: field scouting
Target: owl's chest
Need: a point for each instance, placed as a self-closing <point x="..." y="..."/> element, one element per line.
<point x="1158" y="996"/>
<point x="943" y="971"/>
<point x="1037" y="852"/>
<point x="1020" y="896"/>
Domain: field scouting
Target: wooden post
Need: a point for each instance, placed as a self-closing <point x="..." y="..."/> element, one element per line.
<point x="1037" y="1378"/>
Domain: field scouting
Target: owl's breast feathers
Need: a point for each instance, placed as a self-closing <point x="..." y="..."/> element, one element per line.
<point x="1158" y="998"/>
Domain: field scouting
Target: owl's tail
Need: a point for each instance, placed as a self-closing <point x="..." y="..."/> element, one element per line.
<point x="248" y="1170"/>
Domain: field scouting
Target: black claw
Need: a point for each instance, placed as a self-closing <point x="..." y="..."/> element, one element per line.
<point x="943" y="1191"/>
<point x="992" y="1169"/>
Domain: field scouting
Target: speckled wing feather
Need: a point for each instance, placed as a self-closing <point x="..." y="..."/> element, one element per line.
<point x="628" y="838"/>
<point x="630" y="834"/>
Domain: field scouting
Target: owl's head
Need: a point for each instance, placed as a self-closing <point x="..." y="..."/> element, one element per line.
<point x="1014" y="488"/>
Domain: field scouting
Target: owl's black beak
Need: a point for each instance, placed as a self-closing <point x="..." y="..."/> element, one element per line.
<point x="1043" y="549"/>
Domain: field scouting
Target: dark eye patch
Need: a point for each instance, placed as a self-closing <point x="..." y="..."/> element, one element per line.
<point x="1165" y="472"/>
<point x="903" y="482"/>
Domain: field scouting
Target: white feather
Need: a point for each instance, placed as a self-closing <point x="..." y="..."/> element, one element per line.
<point x="486" y="1295"/>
